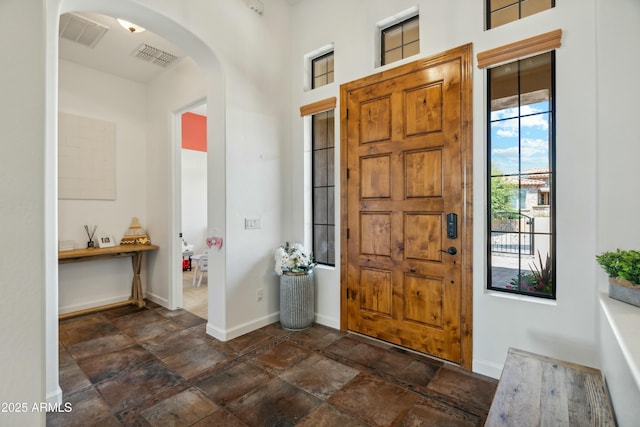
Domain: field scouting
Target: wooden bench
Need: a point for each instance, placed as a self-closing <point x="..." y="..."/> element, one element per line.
<point x="536" y="390"/>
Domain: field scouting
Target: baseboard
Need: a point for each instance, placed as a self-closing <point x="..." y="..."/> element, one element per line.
<point x="229" y="334"/>
<point x="490" y="369"/>
<point x="92" y="304"/>
<point x="330" y="322"/>
<point x="157" y="299"/>
<point x="55" y="396"/>
<point x="217" y="333"/>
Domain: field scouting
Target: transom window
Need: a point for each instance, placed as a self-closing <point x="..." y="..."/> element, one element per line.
<point x="400" y="41"/>
<point x="323" y="156"/>
<point x="500" y="12"/>
<point x="322" y="70"/>
<point x="521" y="187"/>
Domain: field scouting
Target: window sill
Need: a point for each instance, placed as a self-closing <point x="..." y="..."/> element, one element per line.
<point x="524" y="298"/>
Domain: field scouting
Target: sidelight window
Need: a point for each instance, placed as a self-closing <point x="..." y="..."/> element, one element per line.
<point x="323" y="158"/>
<point x="521" y="184"/>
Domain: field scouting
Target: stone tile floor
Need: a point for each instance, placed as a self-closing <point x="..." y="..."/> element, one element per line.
<point x="155" y="367"/>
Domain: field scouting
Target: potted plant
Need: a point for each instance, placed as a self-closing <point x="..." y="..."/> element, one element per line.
<point x="295" y="267"/>
<point x="540" y="279"/>
<point x="623" y="269"/>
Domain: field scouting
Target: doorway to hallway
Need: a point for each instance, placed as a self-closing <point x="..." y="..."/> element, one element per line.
<point x="193" y="185"/>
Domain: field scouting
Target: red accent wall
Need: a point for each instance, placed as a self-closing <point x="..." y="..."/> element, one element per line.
<point x="194" y="132"/>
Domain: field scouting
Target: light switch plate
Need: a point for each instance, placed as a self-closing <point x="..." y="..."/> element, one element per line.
<point x="252" y="223"/>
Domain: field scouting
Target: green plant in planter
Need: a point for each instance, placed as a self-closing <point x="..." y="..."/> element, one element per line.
<point x="623" y="264"/>
<point x="539" y="280"/>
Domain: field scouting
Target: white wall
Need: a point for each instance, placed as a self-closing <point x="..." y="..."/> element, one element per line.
<point x="246" y="134"/>
<point x="618" y="151"/>
<point x="564" y="328"/>
<point x="618" y="30"/>
<point x="90" y="93"/>
<point x="259" y="104"/>
<point x="22" y="209"/>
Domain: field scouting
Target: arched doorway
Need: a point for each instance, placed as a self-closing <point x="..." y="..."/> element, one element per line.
<point x="164" y="196"/>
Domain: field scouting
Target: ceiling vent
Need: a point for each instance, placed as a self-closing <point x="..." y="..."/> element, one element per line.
<point x="154" y="55"/>
<point x="81" y="30"/>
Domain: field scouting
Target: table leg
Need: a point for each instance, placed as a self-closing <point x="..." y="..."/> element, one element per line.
<point x="136" y="283"/>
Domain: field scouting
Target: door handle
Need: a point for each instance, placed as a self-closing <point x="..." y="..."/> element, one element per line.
<point x="451" y="250"/>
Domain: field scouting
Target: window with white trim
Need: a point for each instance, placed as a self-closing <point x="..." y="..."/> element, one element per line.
<point x="400" y="40"/>
<point x="322" y="70"/>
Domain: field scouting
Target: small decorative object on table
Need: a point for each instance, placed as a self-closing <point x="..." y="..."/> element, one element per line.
<point x="297" y="286"/>
<point x="135" y="234"/>
<point x="105" y="240"/>
<point x="90" y="234"/>
<point x="623" y="268"/>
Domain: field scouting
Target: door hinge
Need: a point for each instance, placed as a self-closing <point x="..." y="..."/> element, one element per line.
<point x="347" y="114"/>
<point x="347" y="233"/>
<point x="347" y="296"/>
<point x="347" y="173"/>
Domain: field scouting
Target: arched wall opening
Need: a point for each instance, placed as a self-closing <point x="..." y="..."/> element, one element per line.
<point x="163" y="199"/>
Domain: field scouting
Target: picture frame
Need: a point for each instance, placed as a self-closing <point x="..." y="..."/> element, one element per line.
<point x="105" y="240"/>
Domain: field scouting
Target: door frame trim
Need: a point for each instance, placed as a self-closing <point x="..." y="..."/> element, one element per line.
<point x="465" y="55"/>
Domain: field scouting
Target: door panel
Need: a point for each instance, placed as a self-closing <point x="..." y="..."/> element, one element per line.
<point x="423" y="170"/>
<point x="402" y="135"/>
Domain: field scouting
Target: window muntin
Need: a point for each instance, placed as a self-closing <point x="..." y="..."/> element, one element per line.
<point x="323" y="211"/>
<point x="400" y="41"/>
<point x="521" y="188"/>
<point x="500" y="12"/>
<point x="322" y="70"/>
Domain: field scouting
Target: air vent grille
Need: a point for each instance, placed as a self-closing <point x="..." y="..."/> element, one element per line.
<point x="81" y="30"/>
<point x="154" y="55"/>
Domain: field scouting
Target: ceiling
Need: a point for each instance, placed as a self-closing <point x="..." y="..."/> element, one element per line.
<point x="112" y="53"/>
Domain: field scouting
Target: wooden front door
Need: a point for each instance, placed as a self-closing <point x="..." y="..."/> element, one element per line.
<point x="406" y="155"/>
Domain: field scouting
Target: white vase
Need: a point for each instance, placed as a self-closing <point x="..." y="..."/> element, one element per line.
<point x="297" y="300"/>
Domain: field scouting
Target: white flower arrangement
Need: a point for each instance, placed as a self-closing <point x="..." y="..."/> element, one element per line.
<point x="293" y="258"/>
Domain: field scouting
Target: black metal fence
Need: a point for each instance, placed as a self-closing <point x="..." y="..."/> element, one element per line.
<point x="512" y="233"/>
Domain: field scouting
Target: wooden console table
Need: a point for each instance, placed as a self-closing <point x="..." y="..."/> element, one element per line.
<point x="91" y="254"/>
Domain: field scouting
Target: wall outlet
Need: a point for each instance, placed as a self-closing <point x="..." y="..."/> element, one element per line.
<point x="259" y="294"/>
